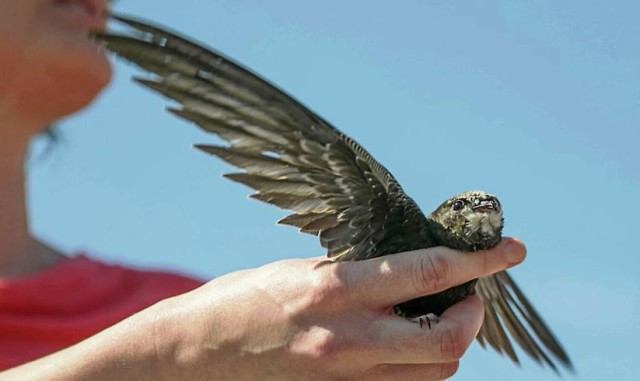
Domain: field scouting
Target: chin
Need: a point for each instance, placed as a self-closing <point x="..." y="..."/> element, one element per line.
<point x="54" y="68"/>
<point x="73" y="81"/>
<point x="93" y="77"/>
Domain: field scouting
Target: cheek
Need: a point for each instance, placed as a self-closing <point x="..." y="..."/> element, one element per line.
<point x="63" y="86"/>
<point x="17" y="23"/>
<point x="55" y="70"/>
<point x="473" y="220"/>
<point x="457" y="222"/>
<point x="33" y="38"/>
<point x="48" y="69"/>
<point x="496" y="220"/>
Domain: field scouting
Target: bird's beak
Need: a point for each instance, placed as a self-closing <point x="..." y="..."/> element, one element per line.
<point x="486" y="206"/>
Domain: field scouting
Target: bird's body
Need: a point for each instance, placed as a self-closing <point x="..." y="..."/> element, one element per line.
<point x="296" y="160"/>
<point x="470" y="221"/>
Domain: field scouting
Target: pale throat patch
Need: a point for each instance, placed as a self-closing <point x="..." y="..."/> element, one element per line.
<point x="486" y="223"/>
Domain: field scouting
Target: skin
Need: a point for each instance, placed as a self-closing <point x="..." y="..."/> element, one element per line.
<point x="50" y="70"/>
<point x="313" y="317"/>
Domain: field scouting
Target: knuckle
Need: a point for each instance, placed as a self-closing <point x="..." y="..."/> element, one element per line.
<point x="327" y="289"/>
<point x="432" y="272"/>
<point x="325" y="348"/>
<point x="453" y="344"/>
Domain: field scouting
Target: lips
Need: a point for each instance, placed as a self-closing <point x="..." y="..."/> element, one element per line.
<point x="89" y="14"/>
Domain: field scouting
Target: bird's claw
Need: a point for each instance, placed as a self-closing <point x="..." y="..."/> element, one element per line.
<point x="429" y="319"/>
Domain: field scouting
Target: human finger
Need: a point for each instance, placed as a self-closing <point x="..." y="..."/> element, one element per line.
<point x="392" y="279"/>
<point x="401" y="341"/>
<point x="410" y="372"/>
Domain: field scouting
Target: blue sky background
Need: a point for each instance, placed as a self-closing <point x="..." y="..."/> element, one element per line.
<point x="538" y="103"/>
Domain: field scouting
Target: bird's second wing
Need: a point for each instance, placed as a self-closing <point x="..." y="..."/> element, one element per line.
<point x="506" y="306"/>
<point x="292" y="158"/>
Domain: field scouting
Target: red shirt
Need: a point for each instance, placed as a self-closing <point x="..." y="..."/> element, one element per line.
<point x="73" y="300"/>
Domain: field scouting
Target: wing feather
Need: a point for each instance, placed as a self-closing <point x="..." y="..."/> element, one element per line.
<point x="291" y="157"/>
<point x="506" y="305"/>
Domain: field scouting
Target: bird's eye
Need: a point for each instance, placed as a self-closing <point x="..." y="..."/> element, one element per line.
<point x="457" y="205"/>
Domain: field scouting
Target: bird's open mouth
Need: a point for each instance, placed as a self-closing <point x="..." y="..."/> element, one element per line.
<point x="485" y="206"/>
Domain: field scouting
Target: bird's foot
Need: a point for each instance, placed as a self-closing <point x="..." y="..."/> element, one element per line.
<point x="429" y="319"/>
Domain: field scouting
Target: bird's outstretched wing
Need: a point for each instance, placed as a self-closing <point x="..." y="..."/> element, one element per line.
<point x="292" y="157"/>
<point x="296" y="160"/>
<point x="507" y="306"/>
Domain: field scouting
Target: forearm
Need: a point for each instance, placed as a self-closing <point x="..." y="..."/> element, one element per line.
<point x="122" y="352"/>
<point x="312" y="319"/>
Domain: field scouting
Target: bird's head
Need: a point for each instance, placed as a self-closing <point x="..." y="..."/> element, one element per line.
<point x="469" y="221"/>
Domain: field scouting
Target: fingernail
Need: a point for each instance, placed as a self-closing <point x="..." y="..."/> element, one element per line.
<point x="514" y="252"/>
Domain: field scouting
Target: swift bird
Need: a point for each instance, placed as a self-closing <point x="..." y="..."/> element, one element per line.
<point x="296" y="160"/>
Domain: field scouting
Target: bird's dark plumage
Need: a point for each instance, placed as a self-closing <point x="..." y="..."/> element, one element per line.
<point x="336" y="190"/>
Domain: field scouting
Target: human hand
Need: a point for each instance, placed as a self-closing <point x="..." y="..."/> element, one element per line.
<point x="316" y="319"/>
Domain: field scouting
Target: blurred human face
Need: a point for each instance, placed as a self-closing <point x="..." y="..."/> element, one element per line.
<point x="48" y="64"/>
